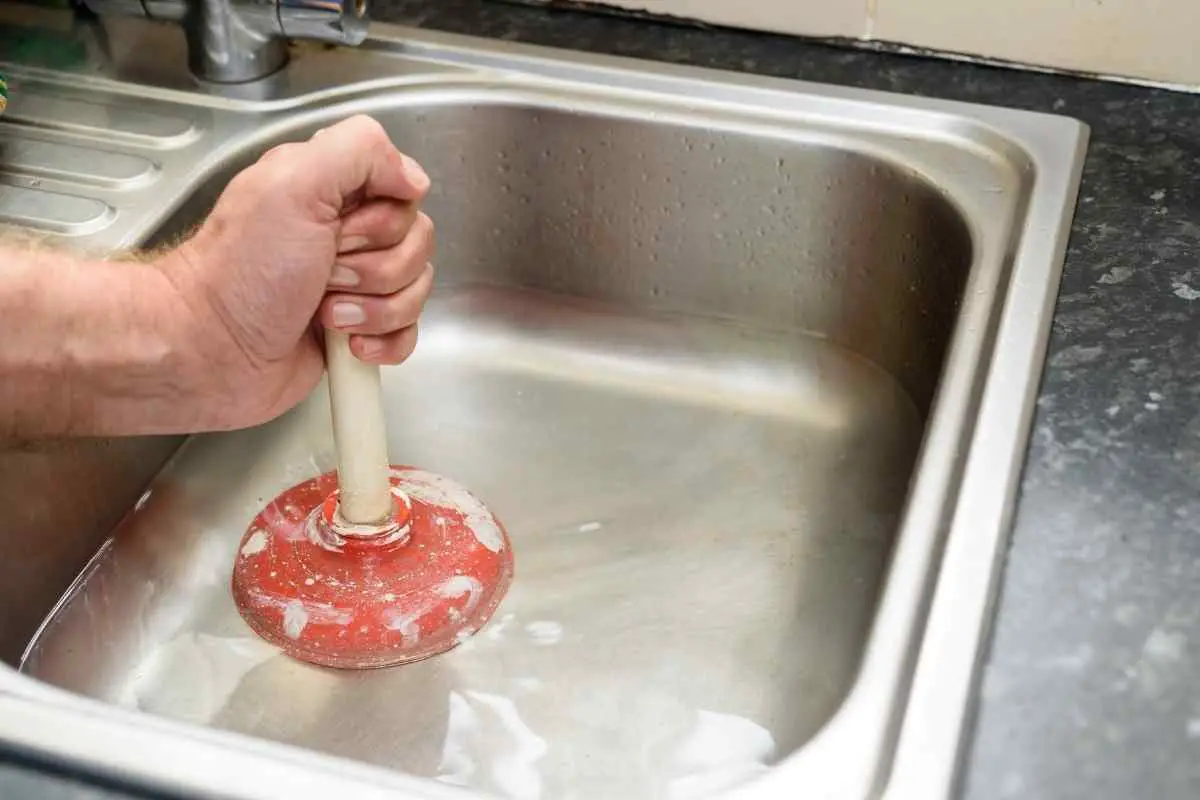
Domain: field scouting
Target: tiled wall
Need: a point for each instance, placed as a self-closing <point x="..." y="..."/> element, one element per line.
<point x="1146" y="40"/>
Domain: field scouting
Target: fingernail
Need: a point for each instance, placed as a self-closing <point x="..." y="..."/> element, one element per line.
<point x="416" y="175"/>
<point x="343" y="276"/>
<point x="346" y="314"/>
<point x="350" y="243"/>
<point x="370" y="348"/>
<point x="318" y="132"/>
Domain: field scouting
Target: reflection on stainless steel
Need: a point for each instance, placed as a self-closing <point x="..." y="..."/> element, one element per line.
<point x="744" y="365"/>
<point x="234" y="41"/>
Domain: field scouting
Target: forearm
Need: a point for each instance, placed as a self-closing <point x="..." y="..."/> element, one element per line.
<point x="87" y="347"/>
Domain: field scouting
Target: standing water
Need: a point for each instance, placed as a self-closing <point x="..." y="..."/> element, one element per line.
<point x="701" y="514"/>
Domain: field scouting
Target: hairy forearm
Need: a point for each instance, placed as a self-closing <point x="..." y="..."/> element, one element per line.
<point x="87" y="347"/>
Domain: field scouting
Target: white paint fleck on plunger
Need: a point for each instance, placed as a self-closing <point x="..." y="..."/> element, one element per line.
<point x="255" y="544"/>
<point x="408" y="625"/>
<point x="295" y="617"/>
<point x="458" y="585"/>
<point x="435" y="490"/>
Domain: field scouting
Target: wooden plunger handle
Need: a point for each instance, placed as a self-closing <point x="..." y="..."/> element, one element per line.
<point x="359" y="434"/>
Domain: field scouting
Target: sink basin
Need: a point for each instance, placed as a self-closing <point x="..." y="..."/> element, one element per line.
<point x="744" y="365"/>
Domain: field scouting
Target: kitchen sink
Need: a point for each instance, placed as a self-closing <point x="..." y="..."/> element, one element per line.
<point x="746" y="367"/>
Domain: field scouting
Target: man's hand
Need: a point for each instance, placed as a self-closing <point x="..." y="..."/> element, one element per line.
<point x="320" y="233"/>
<point x="223" y="331"/>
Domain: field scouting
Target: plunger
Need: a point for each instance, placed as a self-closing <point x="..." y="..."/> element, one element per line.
<point x="371" y="565"/>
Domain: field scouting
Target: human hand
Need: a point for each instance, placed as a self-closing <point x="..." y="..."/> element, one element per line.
<point x="326" y="232"/>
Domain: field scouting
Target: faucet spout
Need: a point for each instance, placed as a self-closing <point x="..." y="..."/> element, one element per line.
<point x="237" y="41"/>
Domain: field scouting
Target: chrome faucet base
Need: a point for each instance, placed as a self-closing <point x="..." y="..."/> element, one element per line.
<point x="239" y="41"/>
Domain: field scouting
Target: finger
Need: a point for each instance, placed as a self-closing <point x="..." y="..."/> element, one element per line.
<point x="287" y="149"/>
<point x="387" y="271"/>
<point x="392" y="348"/>
<point x="376" y="225"/>
<point x="357" y="154"/>
<point x="377" y="314"/>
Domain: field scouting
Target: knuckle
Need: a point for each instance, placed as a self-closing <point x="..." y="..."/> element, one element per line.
<point x="399" y="345"/>
<point x="279" y="151"/>
<point x="371" y="129"/>
<point x="408" y="262"/>
<point x="402" y="222"/>
<point x="424" y="227"/>
<point x="407" y="341"/>
<point x="398" y="273"/>
<point x="426" y="279"/>
<point x="273" y="152"/>
<point x="394" y="313"/>
<point x="403" y="309"/>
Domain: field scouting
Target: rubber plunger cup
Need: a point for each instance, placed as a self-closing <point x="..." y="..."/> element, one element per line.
<point x="372" y="565"/>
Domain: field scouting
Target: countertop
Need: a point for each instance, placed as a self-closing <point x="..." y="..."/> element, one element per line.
<point x="1090" y="686"/>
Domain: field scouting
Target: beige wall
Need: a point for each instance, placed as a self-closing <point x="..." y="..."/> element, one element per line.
<point x="812" y="17"/>
<point x="1148" y="40"/>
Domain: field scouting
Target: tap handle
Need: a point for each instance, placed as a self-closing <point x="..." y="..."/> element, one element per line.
<point x="340" y="21"/>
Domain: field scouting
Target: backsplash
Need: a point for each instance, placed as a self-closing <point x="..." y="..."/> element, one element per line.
<point x="1145" y="41"/>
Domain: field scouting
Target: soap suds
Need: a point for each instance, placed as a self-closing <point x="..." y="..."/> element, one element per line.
<point x="545" y="632"/>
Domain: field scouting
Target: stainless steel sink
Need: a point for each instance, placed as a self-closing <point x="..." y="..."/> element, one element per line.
<point x="745" y="365"/>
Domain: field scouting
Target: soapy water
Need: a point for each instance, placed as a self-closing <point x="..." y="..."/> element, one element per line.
<point x="489" y="721"/>
<point x="494" y="715"/>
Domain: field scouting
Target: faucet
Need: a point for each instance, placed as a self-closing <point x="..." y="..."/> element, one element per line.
<point x="236" y="41"/>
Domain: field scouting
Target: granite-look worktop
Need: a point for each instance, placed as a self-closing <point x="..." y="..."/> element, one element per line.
<point x="1092" y="686"/>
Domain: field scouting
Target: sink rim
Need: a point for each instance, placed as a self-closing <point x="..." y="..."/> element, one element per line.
<point x="935" y="704"/>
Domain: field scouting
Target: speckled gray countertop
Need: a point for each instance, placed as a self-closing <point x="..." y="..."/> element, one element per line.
<point x="1092" y="685"/>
